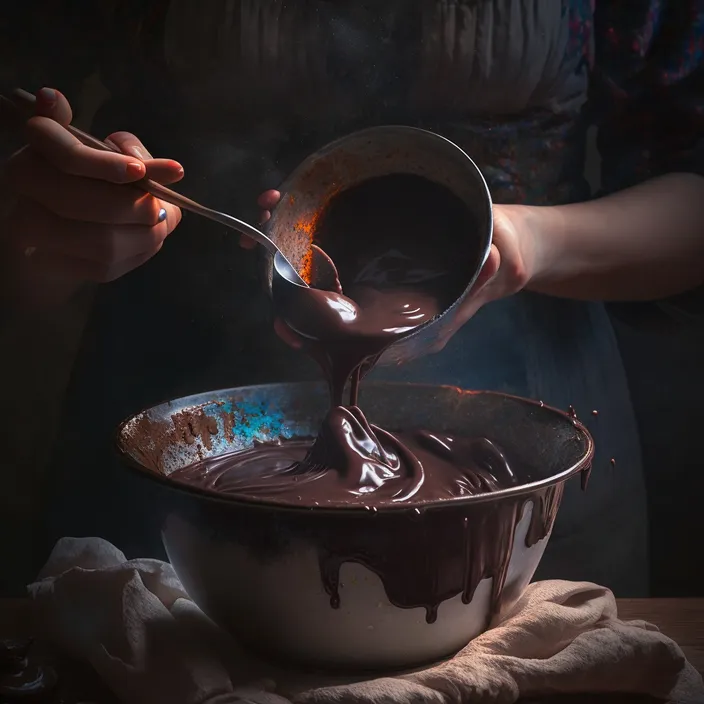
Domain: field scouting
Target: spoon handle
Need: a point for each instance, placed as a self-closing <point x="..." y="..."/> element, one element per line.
<point x="25" y="101"/>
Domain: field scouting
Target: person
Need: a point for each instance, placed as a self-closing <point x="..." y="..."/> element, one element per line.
<point x="236" y="94"/>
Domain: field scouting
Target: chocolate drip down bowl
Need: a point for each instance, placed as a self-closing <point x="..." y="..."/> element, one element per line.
<point x="354" y="586"/>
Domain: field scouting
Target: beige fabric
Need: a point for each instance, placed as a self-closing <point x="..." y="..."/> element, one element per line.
<point x="133" y="622"/>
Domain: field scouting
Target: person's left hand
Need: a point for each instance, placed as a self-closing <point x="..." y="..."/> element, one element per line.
<point x="507" y="269"/>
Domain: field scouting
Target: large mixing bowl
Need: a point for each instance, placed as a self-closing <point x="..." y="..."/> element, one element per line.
<point x="265" y="572"/>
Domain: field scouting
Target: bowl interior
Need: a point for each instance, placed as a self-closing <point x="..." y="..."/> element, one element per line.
<point x="378" y="151"/>
<point x="181" y="432"/>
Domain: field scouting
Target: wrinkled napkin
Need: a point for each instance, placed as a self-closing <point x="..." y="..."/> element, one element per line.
<point x="135" y="625"/>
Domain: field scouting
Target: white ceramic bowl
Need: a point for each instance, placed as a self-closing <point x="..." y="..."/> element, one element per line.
<point x="268" y="573"/>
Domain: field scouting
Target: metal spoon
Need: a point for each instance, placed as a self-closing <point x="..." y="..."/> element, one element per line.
<point x="323" y="267"/>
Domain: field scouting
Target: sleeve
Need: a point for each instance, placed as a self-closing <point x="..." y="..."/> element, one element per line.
<point x="648" y="89"/>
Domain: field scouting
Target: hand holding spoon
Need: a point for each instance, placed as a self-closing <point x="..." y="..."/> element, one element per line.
<point x="324" y="271"/>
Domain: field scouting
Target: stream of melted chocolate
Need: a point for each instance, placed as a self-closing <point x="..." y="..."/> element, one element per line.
<point x="389" y="292"/>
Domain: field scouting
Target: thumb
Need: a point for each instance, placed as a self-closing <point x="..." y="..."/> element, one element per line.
<point x="488" y="271"/>
<point x="481" y="292"/>
<point x="52" y="104"/>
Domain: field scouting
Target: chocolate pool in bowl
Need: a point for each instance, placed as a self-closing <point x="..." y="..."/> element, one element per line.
<point x="355" y="587"/>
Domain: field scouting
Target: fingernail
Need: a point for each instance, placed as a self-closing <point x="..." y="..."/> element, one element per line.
<point x="134" y="170"/>
<point x="140" y="153"/>
<point x="47" y="95"/>
<point x="162" y="215"/>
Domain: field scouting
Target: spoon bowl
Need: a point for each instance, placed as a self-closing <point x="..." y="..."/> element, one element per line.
<point x="285" y="271"/>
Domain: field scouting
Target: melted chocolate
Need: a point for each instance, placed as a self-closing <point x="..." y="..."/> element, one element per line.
<point x="393" y="281"/>
<point x="347" y="334"/>
<point x="433" y="555"/>
<point x="401" y="232"/>
<point x="352" y="462"/>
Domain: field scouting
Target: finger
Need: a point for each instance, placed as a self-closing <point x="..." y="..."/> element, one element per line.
<point x="80" y="198"/>
<point x="488" y="270"/>
<point x="480" y="294"/>
<point x="53" y="104"/>
<point x="439" y="344"/>
<point x="39" y="229"/>
<point x="247" y="242"/>
<point x="477" y="298"/>
<point x="164" y="171"/>
<point x="60" y="148"/>
<point x="466" y="311"/>
<point x="268" y="199"/>
<point x="128" y="144"/>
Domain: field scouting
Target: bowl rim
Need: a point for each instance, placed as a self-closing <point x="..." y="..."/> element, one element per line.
<point x="583" y="464"/>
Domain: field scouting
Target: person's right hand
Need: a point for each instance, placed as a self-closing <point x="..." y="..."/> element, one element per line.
<point x="73" y="212"/>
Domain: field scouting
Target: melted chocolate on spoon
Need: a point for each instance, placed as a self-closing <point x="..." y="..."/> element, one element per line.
<point x="393" y="282"/>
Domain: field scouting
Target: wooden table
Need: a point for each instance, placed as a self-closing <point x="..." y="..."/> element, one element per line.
<point x="680" y="619"/>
